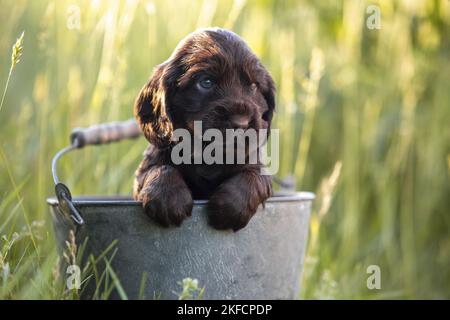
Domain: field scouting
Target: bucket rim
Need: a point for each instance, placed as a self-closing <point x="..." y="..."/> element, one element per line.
<point x="87" y="200"/>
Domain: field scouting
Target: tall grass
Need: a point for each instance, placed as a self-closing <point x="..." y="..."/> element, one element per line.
<point x="363" y="116"/>
<point x="15" y="59"/>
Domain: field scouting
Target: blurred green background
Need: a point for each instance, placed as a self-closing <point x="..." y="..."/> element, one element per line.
<point x="364" y="117"/>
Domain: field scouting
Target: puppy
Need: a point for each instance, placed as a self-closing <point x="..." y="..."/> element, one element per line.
<point x="212" y="77"/>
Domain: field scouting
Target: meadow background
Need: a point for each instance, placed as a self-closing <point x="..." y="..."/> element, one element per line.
<point x="364" y="119"/>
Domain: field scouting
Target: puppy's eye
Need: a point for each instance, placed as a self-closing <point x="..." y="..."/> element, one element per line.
<point x="253" y="87"/>
<point x="205" y="83"/>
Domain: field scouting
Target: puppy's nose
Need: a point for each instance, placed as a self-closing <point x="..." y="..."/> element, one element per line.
<point x="240" y="122"/>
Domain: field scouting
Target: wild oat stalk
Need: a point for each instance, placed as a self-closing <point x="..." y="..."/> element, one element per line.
<point x="17" y="50"/>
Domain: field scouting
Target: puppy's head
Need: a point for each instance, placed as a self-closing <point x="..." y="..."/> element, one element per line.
<point x="213" y="77"/>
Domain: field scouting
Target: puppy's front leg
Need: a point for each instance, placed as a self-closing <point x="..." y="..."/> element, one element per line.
<point x="165" y="196"/>
<point x="236" y="200"/>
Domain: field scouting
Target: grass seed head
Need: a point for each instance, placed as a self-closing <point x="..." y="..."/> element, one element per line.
<point x="17" y="50"/>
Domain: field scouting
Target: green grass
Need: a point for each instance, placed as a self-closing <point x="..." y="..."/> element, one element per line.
<point x="364" y="118"/>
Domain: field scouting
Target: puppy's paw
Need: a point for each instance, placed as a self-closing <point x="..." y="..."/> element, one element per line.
<point x="228" y="212"/>
<point x="168" y="211"/>
<point x="165" y="197"/>
<point x="235" y="202"/>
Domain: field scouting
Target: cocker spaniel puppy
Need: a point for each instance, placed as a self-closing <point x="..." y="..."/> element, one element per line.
<point x="212" y="78"/>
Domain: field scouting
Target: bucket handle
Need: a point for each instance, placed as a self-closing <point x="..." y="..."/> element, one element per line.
<point x="80" y="137"/>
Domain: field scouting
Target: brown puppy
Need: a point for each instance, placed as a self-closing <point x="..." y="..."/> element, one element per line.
<point x="212" y="77"/>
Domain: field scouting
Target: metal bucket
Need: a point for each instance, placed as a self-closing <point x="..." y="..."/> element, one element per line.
<point x="264" y="260"/>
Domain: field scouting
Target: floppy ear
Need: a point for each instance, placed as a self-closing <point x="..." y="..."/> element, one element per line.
<point x="268" y="92"/>
<point x="150" y="110"/>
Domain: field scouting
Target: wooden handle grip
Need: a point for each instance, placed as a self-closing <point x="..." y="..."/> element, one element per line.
<point x="105" y="133"/>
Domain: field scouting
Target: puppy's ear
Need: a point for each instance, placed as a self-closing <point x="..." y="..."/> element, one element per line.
<point x="268" y="92"/>
<point x="150" y="110"/>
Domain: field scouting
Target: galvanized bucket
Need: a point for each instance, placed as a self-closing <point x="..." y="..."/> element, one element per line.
<point x="262" y="261"/>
